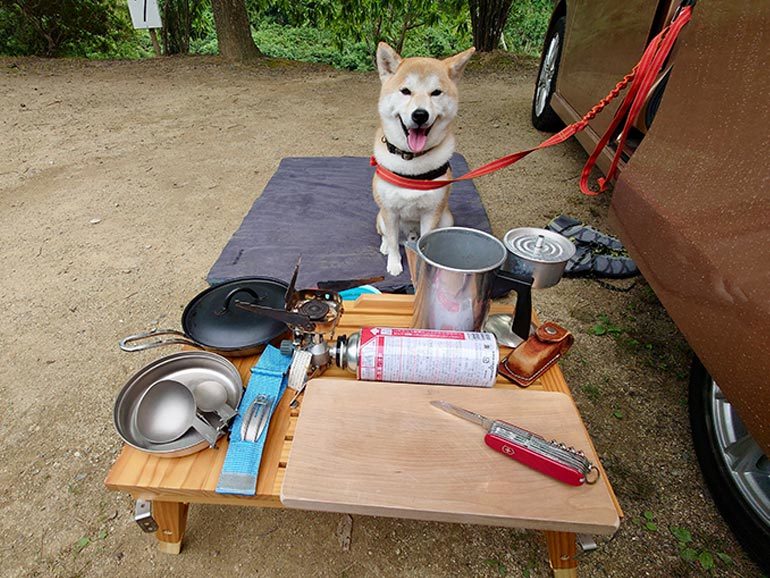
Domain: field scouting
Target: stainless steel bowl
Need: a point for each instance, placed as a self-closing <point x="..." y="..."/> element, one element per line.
<point x="538" y="253"/>
<point x="189" y="368"/>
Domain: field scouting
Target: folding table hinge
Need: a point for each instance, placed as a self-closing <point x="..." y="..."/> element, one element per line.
<point x="586" y="543"/>
<point x="143" y="516"/>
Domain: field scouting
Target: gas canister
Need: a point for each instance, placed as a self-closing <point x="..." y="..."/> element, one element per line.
<point x="419" y="356"/>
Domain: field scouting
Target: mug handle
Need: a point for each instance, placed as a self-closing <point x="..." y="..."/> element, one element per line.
<point x="522" y="314"/>
<point x="412" y="259"/>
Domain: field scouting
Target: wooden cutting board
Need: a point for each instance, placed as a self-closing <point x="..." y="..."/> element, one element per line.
<point x="382" y="449"/>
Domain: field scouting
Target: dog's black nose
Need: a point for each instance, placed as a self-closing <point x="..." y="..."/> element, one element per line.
<point x="420" y="116"/>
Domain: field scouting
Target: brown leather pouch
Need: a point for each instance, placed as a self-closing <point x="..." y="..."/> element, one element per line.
<point x="532" y="358"/>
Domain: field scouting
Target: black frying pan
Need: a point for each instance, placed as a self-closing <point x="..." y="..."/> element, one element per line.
<point x="212" y="322"/>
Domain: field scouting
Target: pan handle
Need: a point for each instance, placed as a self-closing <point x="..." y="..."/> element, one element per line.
<point x="522" y="315"/>
<point x="129" y="343"/>
<point x="229" y="298"/>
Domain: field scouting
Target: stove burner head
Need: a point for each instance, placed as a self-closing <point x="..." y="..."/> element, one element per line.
<point x="314" y="310"/>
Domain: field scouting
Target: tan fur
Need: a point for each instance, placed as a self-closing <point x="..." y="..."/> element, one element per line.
<point x="407" y="212"/>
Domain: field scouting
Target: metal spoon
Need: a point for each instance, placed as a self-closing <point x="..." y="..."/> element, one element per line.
<point x="167" y="410"/>
<point x="499" y="325"/>
<point x="211" y="395"/>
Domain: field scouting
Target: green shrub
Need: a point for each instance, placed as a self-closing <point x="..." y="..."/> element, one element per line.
<point x="64" y="27"/>
<point x="310" y="45"/>
<point x="440" y="40"/>
<point x="102" y="29"/>
<point x="205" y="45"/>
<point x="527" y="24"/>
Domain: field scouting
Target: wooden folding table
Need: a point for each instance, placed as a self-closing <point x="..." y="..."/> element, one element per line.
<point x="174" y="483"/>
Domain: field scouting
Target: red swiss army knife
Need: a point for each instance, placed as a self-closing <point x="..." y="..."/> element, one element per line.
<point x="554" y="459"/>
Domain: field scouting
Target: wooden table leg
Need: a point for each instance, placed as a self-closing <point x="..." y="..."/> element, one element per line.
<point x="171" y="518"/>
<point x="562" y="553"/>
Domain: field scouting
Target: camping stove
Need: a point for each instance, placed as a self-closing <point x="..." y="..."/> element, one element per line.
<point x="320" y="312"/>
<point x="312" y="315"/>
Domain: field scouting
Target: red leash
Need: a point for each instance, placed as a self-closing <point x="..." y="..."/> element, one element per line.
<point x="643" y="76"/>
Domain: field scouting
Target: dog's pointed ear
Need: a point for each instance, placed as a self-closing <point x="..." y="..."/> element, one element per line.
<point x="456" y="64"/>
<point x="387" y="61"/>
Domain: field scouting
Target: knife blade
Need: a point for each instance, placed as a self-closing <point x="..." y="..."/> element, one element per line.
<point x="476" y="418"/>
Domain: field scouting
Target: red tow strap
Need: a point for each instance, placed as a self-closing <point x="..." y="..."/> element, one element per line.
<point x="643" y="76"/>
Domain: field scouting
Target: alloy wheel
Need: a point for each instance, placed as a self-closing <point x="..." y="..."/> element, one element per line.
<point x="547" y="73"/>
<point x="742" y="457"/>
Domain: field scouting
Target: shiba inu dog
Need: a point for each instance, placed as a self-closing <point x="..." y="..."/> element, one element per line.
<point x="417" y="106"/>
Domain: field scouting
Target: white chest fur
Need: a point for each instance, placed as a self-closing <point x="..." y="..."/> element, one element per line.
<point x="409" y="204"/>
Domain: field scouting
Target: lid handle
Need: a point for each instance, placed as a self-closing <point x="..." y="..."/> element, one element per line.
<point x="288" y="317"/>
<point x="229" y="298"/>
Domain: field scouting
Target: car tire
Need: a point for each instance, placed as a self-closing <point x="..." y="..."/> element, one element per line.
<point x="543" y="116"/>
<point x="738" y="476"/>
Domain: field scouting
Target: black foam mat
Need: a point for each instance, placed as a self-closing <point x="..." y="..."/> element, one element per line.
<point x="322" y="208"/>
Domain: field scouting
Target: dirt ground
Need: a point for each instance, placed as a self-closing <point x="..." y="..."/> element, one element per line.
<point x="120" y="182"/>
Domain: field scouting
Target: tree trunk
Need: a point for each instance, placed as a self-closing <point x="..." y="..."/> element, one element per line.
<point x="155" y="44"/>
<point x="488" y="21"/>
<point x="233" y="30"/>
<point x="175" y="33"/>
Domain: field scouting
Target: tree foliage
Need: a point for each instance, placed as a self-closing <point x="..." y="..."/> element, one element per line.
<point x="527" y="24"/>
<point x="367" y="21"/>
<point x="343" y="33"/>
<point x="62" y="27"/>
<point x="391" y="20"/>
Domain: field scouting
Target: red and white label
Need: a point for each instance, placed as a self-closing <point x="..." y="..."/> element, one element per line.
<point x="428" y="356"/>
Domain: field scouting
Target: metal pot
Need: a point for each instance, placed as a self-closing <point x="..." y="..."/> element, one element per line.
<point x="211" y="321"/>
<point x="537" y="253"/>
<point x="454" y="270"/>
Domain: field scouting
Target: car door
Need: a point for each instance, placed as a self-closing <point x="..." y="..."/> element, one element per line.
<point x="604" y="39"/>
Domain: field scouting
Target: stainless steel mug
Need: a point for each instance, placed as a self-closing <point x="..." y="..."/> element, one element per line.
<point x="453" y="271"/>
<point x="539" y="253"/>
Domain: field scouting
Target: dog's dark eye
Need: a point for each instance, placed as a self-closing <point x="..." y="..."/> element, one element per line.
<point x="406" y="91"/>
<point x="436" y="92"/>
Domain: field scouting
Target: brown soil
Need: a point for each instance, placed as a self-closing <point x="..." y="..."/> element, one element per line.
<point x="168" y="155"/>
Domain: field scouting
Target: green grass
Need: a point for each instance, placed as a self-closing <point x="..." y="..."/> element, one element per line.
<point x="656" y="351"/>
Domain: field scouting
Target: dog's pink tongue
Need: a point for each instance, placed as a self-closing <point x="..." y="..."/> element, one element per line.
<point x="416" y="139"/>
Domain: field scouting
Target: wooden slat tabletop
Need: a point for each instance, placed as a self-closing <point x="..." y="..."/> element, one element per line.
<point x="194" y="478"/>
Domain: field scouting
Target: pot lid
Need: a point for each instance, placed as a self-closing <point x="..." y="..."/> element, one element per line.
<point x="539" y="245"/>
<point x="213" y="320"/>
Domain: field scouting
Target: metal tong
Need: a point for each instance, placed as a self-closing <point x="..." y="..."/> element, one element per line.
<point x="257" y="417"/>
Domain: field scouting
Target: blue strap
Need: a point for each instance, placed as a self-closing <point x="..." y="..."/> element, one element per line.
<point x="239" y="472"/>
